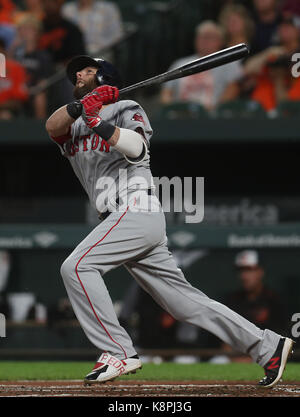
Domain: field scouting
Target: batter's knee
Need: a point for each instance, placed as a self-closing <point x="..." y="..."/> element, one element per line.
<point x="67" y="269"/>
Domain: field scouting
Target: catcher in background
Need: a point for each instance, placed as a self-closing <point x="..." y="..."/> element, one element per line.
<point x="107" y="143"/>
<point x="254" y="300"/>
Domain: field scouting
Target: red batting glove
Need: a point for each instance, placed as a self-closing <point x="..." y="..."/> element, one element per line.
<point x="107" y="94"/>
<point x="92" y="103"/>
<point x="90" y="110"/>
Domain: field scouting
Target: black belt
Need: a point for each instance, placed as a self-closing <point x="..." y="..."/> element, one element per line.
<point x="103" y="216"/>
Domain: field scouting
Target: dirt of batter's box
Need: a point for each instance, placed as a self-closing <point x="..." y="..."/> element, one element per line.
<point x="123" y="388"/>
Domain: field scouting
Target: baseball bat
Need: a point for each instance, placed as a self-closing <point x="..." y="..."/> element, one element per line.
<point x="225" y="56"/>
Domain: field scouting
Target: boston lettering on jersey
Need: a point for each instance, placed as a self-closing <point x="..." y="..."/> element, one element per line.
<point x="87" y="142"/>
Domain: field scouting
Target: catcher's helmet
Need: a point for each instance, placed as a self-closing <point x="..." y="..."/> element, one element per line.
<point x="106" y="73"/>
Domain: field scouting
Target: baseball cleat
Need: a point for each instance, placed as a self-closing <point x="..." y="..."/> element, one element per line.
<point x="108" y="368"/>
<point x="276" y="365"/>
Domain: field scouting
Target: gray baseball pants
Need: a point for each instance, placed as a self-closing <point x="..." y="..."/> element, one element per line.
<point x="137" y="240"/>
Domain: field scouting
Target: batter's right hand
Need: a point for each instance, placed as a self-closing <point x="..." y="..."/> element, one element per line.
<point x="90" y="110"/>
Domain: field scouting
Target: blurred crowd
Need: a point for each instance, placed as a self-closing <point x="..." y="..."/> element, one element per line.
<point x="271" y="29"/>
<point x="38" y="37"/>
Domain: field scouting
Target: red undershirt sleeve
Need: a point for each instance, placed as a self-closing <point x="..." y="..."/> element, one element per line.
<point x="60" y="140"/>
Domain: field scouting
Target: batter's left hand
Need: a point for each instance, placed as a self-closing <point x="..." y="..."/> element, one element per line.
<point x="92" y="103"/>
<point x="106" y="93"/>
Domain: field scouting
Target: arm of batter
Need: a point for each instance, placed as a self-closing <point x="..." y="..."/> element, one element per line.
<point x="130" y="143"/>
<point x="59" y="123"/>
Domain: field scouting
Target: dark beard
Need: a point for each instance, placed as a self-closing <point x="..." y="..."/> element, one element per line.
<point x="79" y="92"/>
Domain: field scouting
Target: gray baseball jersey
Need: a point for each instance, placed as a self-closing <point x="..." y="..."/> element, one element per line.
<point x="136" y="238"/>
<point x="103" y="171"/>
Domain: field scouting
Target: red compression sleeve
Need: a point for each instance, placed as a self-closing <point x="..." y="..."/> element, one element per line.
<point x="63" y="138"/>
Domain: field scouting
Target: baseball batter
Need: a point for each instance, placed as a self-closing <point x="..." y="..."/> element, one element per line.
<point x="107" y="143"/>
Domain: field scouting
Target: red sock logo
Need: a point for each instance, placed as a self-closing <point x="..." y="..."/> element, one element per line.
<point x="274" y="364"/>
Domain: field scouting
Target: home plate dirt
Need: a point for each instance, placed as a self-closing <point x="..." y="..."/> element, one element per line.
<point x="131" y="388"/>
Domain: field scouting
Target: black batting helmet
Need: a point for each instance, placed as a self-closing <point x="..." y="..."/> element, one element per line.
<point x="106" y="73"/>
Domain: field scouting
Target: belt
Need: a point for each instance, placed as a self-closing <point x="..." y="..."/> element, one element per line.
<point x="104" y="215"/>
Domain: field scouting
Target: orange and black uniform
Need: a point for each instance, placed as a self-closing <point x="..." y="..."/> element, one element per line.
<point x="13" y="86"/>
<point x="266" y="311"/>
<point x="7" y="9"/>
<point x="62" y="39"/>
<point x="264" y="92"/>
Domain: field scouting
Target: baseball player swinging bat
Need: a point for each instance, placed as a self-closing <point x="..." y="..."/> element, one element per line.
<point x="107" y="142"/>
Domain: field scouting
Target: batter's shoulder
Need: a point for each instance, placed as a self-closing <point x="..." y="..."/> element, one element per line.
<point x="127" y="105"/>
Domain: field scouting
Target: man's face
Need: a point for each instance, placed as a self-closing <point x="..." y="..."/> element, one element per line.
<point x="208" y="41"/>
<point x="251" y="278"/>
<point x="288" y="33"/>
<point x="85" y="82"/>
<point x="235" y="23"/>
<point x="52" y="7"/>
<point x="264" y="5"/>
<point x="28" y="32"/>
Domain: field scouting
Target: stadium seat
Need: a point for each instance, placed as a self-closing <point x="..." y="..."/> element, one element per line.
<point x="240" y="109"/>
<point x="289" y="108"/>
<point x="181" y="110"/>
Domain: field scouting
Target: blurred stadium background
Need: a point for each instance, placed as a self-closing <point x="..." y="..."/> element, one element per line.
<point x="248" y="156"/>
